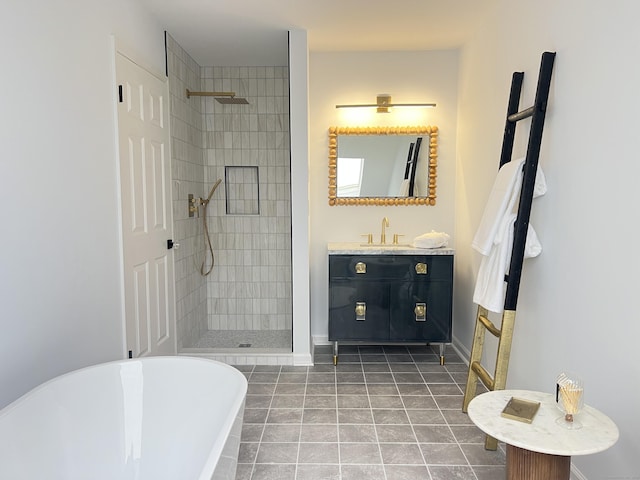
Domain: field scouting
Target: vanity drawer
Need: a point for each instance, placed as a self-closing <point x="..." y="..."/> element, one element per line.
<point x="407" y="322"/>
<point x="359" y="311"/>
<point x="389" y="267"/>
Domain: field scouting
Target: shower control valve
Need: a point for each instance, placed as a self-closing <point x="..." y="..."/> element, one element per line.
<point x="194" y="203"/>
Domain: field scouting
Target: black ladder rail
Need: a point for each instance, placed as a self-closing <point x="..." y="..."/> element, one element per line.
<point x="414" y="166"/>
<point x="407" y="168"/>
<point x="537" y="113"/>
<point x="510" y="125"/>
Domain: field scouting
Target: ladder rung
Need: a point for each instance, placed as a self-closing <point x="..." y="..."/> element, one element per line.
<point x="485" y="377"/>
<point x="496" y="332"/>
<point x="526" y="113"/>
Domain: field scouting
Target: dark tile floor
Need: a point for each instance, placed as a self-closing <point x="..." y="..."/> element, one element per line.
<point x="385" y="412"/>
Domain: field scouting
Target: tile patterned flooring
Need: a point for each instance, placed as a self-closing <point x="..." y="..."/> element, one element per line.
<point x="385" y="412"/>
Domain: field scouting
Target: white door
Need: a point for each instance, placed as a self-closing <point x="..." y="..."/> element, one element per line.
<point x="143" y="137"/>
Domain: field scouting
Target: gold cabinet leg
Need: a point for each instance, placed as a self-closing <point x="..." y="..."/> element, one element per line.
<point x="335" y="360"/>
<point x="335" y="354"/>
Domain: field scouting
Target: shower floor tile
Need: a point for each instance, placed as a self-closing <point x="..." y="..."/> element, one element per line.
<point x="245" y="339"/>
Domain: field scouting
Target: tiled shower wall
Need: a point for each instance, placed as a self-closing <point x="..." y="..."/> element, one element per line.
<point x="250" y="287"/>
<point x="188" y="177"/>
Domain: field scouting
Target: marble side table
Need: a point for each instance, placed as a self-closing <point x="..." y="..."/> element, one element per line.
<point x="541" y="450"/>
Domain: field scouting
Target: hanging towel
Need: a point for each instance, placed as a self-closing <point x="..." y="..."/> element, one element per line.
<point x="490" y="285"/>
<point x="494" y="237"/>
<point x="502" y="199"/>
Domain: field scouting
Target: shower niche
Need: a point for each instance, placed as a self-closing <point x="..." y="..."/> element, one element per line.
<point x="242" y="192"/>
<point x="244" y="306"/>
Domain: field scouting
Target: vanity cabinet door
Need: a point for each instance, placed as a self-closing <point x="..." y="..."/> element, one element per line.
<point x="420" y="311"/>
<point x="348" y="320"/>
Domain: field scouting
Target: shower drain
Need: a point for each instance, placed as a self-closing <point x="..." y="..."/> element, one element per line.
<point x="244" y="345"/>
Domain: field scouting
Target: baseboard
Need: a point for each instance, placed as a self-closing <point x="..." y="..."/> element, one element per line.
<point x="463" y="352"/>
<point x="320" y="340"/>
<point x="576" y="474"/>
<point x="303" y="360"/>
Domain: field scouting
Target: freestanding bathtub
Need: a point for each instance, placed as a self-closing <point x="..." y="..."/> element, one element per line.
<point x="174" y="418"/>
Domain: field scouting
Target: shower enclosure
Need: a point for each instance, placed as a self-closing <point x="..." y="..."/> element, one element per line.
<point x="244" y="306"/>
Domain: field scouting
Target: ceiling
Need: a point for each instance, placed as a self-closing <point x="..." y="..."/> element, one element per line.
<point x="254" y="32"/>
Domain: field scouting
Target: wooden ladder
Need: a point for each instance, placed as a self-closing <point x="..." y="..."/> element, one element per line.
<point x="504" y="334"/>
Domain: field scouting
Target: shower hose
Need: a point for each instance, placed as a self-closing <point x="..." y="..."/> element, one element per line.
<point x="208" y="248"/>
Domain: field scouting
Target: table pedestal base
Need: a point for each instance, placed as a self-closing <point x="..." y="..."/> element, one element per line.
<point x="527" y="465"/>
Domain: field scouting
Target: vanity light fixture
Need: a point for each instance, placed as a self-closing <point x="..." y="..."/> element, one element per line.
<point x="384" y="103"/>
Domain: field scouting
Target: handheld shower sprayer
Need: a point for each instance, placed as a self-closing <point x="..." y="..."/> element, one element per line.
<point x="204" y="270"/>
<point x="213" y="189"/>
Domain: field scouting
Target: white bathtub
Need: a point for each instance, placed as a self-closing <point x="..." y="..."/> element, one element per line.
<point x="174" y="418"/>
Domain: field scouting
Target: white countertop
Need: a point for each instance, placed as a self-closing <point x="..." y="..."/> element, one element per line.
<point x="543" y="435"/>
<point x="348" y="248"/>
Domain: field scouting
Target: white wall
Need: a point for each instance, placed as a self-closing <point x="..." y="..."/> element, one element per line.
<point x="299" y="128"/>
<point x="60" y="282"/>
<point x="357" y="77"/>
<point x="577" y="308"/>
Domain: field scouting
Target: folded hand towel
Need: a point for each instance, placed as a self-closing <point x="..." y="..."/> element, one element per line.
<point x="431" y="240"/>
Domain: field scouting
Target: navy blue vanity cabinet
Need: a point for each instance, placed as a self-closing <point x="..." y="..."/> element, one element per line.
<point x="390" y="298"/>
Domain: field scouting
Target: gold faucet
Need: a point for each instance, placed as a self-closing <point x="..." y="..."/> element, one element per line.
<point x="383" y="236"/>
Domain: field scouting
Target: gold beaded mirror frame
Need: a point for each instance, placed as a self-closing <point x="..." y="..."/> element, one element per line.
<point x="428" y="199"/>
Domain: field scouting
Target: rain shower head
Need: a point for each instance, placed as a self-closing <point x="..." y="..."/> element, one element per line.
<point x="232" y="101"/>
<point x="225" y="98"/>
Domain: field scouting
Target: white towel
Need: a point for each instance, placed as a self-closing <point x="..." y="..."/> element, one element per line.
<point x="494" y="237"/>
<point x="502" y="199"/>
<point x="431" y="240"/>
<point x="490" y="284"/>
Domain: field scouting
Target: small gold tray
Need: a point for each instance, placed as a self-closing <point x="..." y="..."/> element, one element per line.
<point x="520" y="409"/>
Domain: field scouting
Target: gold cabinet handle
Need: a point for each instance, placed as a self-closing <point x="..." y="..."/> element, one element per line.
<point x="421" y="312"/>
<point x="361" y="267"/>
<point x="361" y="311"/>
<point x="421" y="268"/>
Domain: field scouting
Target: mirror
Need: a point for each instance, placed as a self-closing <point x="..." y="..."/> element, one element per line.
<point x="383" y="165"/>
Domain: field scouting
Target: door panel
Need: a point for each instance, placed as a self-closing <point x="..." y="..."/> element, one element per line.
<point x="143" y="136"/>
<point x="162" y="328"/>
<point x="141" y="313"/>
